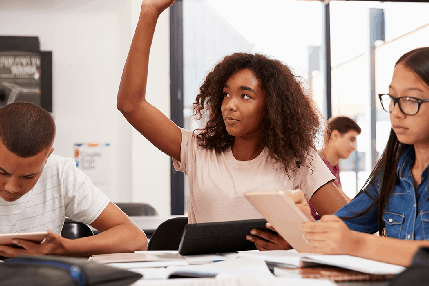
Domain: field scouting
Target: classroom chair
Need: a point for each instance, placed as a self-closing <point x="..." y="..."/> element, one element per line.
<point x="168" y="234"/>
<point x="137" y="209"/>
<point x="74" y="229"/>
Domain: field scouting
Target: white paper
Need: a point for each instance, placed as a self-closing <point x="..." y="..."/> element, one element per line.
<point x="148" y="264"/>
<point x="357" y="263"/>
<point x="240" y="266"/>
<point x="302" y="282"/>
<point x="204" y="259"/>
<point x="294" y="258"/>
<point x="248" y="280"/>
<point x="290" y="257"/>
<point x="223" y="269"/>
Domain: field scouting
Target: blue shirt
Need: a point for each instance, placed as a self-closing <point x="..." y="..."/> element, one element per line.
<point x="407" y="212"/>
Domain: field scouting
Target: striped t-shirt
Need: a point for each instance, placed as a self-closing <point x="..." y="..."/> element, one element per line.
<point x="61" y="191"/>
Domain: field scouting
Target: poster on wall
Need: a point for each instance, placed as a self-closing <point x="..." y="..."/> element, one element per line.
<point x="94" y="160"/>
<point x="26" y="76"/>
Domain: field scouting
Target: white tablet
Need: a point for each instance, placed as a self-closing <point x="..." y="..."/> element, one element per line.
<point x="282" y="213"/>
<point x="6" y="238"/>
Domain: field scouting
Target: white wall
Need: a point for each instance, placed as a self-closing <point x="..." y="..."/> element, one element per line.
<point x="89" y="40"/>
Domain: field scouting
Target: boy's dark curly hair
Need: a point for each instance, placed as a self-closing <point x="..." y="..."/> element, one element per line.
<point x="291" y="118"/>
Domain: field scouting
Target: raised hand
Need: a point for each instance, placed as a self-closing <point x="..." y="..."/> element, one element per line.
<point x="157" y="5"/>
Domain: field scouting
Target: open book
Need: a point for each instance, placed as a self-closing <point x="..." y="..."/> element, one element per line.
<point x="293" y="259"/>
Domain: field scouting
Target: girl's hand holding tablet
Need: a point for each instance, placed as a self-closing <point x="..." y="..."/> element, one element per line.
<point x="330" y="235"/>
<point x="265" y="240"/>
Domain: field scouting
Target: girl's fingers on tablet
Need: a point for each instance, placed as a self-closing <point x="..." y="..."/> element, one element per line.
<point x="297" y="196"/>
<point x="312" y="227"/>
<point x="267" y="240"/>
<point x="260" y="243"/>
<point x="330" y="218"/>
<point x="264" y="234"/>
<point x="268" y="225"/>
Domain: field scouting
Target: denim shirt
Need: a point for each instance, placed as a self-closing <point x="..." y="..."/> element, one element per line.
<point x="407" y="212"/>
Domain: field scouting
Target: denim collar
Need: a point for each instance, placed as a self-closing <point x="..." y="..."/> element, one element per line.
<point x="406" y="163"/>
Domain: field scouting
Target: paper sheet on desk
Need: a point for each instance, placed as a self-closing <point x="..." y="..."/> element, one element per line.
<point x="209" y="258"/>
<point x="292" y="258"/>
<point x="187" y="260"/>
<point x="285" y="258"/>
<point x="355" y="263"/>
<point x="239" y="280"/>
<point x="239" y="266"/>
<point x="248" y="280"/>
<point x="138" y="256"/>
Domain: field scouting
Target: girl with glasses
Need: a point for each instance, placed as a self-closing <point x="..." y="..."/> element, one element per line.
<point x="395" y="200"/>
<point x="259" y="133"/>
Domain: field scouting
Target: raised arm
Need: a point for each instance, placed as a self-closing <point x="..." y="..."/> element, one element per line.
<point x="145" y="118"/>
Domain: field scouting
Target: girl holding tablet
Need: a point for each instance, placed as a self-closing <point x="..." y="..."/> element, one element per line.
<point x="395" y="199"/>
<point x="259" y="132"/>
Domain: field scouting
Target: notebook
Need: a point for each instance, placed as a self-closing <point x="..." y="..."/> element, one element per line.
<point x="333" y="273"/>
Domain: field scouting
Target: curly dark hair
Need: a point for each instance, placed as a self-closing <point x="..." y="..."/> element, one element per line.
<point x="291" y="118"/>
<point x="26" y="129"/>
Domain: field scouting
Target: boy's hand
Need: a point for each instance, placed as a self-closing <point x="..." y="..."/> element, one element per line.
<point x="157" y="5"/>
<point x="52" y="245"/>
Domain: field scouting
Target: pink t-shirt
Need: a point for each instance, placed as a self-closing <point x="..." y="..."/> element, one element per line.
<point x="334" y="170"/>
<point x="217" y="181"/>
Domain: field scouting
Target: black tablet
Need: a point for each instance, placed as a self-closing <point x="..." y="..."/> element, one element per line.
<point x="219" y="237"/>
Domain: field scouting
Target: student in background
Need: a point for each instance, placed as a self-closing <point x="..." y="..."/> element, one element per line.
<point x="258" y="135"/>
<point x="39" y="189"/>
<point x="395" y="198"/>
<point x="340" y="142"/>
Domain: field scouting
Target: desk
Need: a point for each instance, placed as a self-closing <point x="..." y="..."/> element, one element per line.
<point x="228" y="265"/>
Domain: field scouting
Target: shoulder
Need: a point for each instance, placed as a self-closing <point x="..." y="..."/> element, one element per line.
<point x="57" y="163"/>
<point x="314" y="162"/>
<point x="188" y="137"/>
<point x="56" y="159"/>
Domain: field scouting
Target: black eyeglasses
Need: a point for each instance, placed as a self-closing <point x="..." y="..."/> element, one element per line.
<point x="407" y="105"/>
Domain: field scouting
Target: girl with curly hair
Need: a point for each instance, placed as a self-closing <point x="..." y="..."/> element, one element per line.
<point x="259" y="133"/>
<point x="395" y="200"/>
